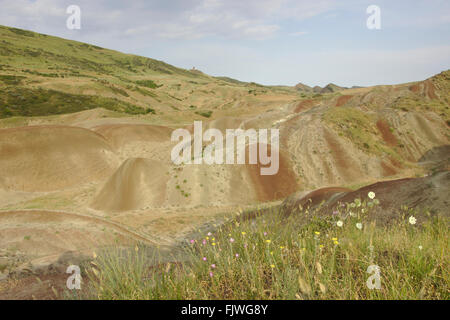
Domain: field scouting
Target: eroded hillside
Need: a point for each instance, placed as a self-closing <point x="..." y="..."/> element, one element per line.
<point x="85" y="144"/>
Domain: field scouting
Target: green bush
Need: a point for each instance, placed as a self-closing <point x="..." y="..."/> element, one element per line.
<point x="148" y="84"/>
<point x="206" y="114"/>
<point x="19" y="101"/>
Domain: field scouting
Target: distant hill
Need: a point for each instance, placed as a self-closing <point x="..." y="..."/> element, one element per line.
<point x="329" y="88"/>
<point x="45" y="75"/>
<point x="303" y="87"/>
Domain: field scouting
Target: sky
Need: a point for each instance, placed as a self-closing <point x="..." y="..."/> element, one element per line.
<point x="272" y="42"/>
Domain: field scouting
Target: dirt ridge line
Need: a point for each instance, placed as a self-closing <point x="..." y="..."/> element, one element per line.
<point x="114" y="225"/>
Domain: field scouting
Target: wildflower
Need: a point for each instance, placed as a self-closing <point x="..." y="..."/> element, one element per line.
<point x="335" y="212"/>
<point x="204" y="242"/>
<point x="272" y="266"/>
<point x="271" y="253"/>
<point x="334" y="239"/>
<point x="211" y="274"/>
<point x="359" y="225"/>
<point x="209" y="234"/>
<point x="213" y="244"/>
<point x="192" y="241"/>
<point x="342" y="205"/>
<point x="231" y="240"/>
<point x="207" y="238"/>
<point x="412" y="220"/>
<point x="420" y="247"/>
<point x="268" y="241"/>
<point x="336" y="242"/>
<point x="213" y="266"/>
<point x="265" y="233"/>
<point x="237" y="255"/>
<point x="244" y="233"/>
<point x="339" y="223"/>
<point x="213" y="239"/>
<point x="204" y="258"/>
<point x="281" y="247"/>
<point x="321" y="246"/>
<point x="317" y="233"/>
<point x="245" y="246"/>
<point x="371" y="195"/>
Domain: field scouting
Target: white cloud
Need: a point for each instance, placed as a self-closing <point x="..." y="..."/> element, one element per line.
<point x="184" y="19"/>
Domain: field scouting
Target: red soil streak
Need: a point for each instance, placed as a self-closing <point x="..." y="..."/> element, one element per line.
<point x="414" y="88"/>
<point x="388" y="170"/>
<point x="274" y="187"/>
<point x="343" y="100"/>
<point x="386" y="133"/>
<point x="430" y="90"/>
<point x="303" y="105"/>
<point x="396" y="163"/>
<point x="427" y="87"/>
<point x="344" y="163"/>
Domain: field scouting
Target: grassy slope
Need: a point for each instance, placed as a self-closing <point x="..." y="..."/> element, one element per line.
<point x="65" y="76"/>
<point x="357" y="119"/>
<point x="278" y="259"/>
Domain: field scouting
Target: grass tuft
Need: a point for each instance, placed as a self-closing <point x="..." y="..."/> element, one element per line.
<point x="272" y="257"/>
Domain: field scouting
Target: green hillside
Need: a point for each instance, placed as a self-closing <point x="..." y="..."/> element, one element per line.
<point x="45" y="75"/>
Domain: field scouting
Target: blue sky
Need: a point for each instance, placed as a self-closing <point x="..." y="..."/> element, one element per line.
<point x="266" y="41"/>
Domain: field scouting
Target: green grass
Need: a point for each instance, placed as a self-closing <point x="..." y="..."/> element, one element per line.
<point x="19" y="101"/>
<point x="274" y="258"/>
<point x="28" y="48"/>
<point x="32" y="60"/>
<point x="360" y="128"/>
<point x="206" y="114"/>
<point x="148" y="84"/>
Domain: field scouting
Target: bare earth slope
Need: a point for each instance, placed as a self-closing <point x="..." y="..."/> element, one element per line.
<point x="49" y="158"/>
<point x="85" y="145"/>
<point x="430" y="194"/>
<point x="137" y="183"/>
